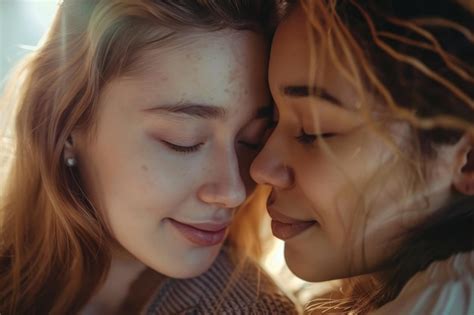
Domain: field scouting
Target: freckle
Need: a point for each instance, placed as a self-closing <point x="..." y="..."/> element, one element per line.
<point x="145" y="168"/>
<point x="226" y="90"/>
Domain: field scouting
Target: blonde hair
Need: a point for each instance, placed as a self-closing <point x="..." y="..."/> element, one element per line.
<point x="414" y="58"/>
<point x="53" y="244"/>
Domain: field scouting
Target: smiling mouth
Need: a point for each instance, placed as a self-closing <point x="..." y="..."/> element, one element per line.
<point x="284" y="227"/>
<point x="202" y="234"/>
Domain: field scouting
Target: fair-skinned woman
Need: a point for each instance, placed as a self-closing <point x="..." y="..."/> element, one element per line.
<point x="135" y="126"/>
<point x="371" y="161"/>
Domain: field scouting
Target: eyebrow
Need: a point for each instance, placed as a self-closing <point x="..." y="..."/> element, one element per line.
<point x="206" y="111"/>
<point x="193" y="110"/>
<point x="311" y="91"/>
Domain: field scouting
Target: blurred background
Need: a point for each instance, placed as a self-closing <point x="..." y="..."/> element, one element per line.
<point x="22" y="24"/>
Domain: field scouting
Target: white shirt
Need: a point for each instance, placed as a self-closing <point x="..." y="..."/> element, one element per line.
<point x="445" y="287"/>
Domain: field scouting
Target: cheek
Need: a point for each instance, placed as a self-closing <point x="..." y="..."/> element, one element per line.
<point x="136" y="179"/>
<point x="335" y="184"/>
<point x="330" y="195"/>
<point x="372" y="202"/>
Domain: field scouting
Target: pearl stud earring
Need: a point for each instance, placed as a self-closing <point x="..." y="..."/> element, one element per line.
<point x="71" y="162"/>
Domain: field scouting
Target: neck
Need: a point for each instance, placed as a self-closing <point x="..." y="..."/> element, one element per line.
<point x="124" y="269"/>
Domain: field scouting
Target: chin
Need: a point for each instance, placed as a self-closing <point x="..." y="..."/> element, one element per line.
<point x="302" y="273"/>
<point x="304" y="268"/>
<point x="183" y="271"/>
<point x="186" y="273"/>
<point x="195" y="263"/>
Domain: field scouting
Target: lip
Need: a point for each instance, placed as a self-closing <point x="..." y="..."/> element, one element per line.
<point x="284" y="227"/>
<point x="202" y="234"/>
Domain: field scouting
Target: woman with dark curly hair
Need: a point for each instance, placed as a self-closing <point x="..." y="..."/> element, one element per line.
<point x="371" y="161"/>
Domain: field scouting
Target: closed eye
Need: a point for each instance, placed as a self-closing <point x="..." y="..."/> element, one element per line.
<point x="305" y="138"/>
<point x="256" y="134"/>
<point x="182" y="149"/>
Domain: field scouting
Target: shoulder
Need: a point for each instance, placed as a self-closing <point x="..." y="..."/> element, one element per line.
<point x="445" y="287"/>
<point x="227" y="287"/>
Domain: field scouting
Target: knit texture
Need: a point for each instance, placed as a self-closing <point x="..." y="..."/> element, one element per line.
<point x="224" y="289"/>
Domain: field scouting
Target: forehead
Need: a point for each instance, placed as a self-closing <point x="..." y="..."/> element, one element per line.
<point x="294" y="59"/>
<point x="218" y="68"/>
<point x="206" y="60"/>
<point x="290" y="54"/>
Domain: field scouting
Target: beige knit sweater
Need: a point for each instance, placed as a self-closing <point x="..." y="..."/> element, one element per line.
<point x="224" y="289"/>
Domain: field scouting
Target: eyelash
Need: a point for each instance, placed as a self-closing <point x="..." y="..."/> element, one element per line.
<point x="183" y="149"/>
<point x="307" y="139"/>
<point x="195" y="148"/>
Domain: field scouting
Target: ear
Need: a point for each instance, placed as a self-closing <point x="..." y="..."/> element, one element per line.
<point x="69" y="151"/>
<point x="463" y="180"/>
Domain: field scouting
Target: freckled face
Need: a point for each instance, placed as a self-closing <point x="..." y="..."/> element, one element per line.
<point x="167" y="161"/>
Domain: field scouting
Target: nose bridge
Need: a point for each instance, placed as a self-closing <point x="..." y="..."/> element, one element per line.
<point x="271" y="165"/>
<point x="224" y="185"/>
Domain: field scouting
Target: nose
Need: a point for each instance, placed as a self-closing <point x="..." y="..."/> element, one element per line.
<point x="224" y="186"/>
<point x="270" y="168"/>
